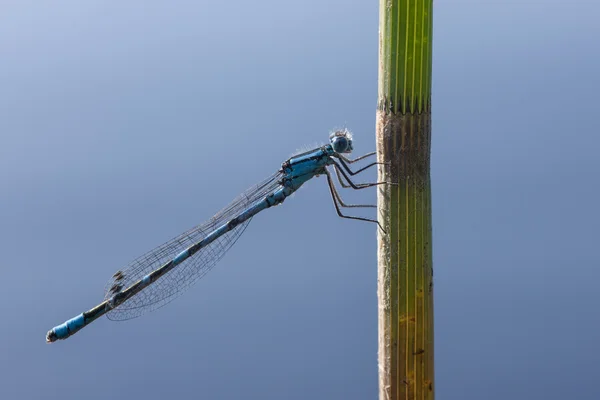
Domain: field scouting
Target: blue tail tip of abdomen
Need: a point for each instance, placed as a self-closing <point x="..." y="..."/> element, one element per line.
<point x="51" y="336"/>
<point x="66" y="329"/>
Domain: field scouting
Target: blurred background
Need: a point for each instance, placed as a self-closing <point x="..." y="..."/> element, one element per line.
<point x="122" y="124"/>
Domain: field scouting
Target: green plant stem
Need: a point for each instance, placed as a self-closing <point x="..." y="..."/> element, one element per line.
<point x="405" y="277"/>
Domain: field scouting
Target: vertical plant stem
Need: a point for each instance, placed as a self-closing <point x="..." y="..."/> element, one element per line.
<point x="405" y="273"/>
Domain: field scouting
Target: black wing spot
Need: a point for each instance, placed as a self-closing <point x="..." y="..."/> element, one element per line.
<point x="118" y="275"/>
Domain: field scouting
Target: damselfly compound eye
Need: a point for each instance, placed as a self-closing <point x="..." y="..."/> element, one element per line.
<point x="339" y="144"/>
<point x="341" y="141"/>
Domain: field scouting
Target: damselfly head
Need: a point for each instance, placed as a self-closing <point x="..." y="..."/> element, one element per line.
<point x="341" y="141"/>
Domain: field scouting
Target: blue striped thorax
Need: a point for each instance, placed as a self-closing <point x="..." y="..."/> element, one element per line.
<point x="305" y="166"/>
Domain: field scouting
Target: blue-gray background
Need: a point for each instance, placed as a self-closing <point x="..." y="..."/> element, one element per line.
<point x="124" y="123"/>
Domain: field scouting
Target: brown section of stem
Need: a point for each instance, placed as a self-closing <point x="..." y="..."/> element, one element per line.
<point x="405" y="142"/>
<point x="405" y="274"/>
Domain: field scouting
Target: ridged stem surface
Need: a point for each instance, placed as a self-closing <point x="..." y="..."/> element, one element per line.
<point x="405" y="273"/>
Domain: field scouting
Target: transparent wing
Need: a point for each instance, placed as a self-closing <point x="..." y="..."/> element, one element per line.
<point x="173" y="283"/>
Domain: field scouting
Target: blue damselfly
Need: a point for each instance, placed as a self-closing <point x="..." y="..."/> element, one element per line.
<point x="159" y="276"/>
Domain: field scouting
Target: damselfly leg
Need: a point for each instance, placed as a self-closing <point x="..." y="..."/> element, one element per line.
<point x="347" y="168"/>
<point x="335" y="197"/>
<point x="345" y="184"/>
<point x="350" y="161"/>
<point x="356" y="186"/>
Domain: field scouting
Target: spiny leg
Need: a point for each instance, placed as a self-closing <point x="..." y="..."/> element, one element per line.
<point x="339" y="178"/>
<point x="337" y="207"/>
<point x="339" y="198"/>
<point x="347" y="168"/>
<point x="356" y="186"/>
<point x="343" y="161"/>
<point x="350" y="161"/>
<point x="345" y="185"/>
<point x="360" y="185"/>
